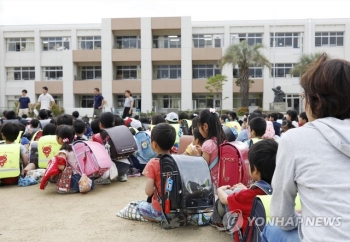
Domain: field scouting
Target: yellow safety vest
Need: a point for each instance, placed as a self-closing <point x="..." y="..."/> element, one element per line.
<point x="235" y="125"/>
<point x="19" y="138"/>
<point x="10" y="156"/>
<point x="47" y="148"/>
<point x="266" y="201"/>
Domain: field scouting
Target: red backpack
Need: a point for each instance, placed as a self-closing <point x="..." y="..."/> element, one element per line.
<point x="233" y="164"/>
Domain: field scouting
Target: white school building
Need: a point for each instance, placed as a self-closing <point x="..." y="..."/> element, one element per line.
<point x="164" y="62"/>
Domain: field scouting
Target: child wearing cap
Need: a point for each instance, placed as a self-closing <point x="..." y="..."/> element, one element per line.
<point x="173" y="119"/>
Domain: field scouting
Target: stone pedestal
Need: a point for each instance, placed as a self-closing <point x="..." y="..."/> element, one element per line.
<point x="278" y="107"/>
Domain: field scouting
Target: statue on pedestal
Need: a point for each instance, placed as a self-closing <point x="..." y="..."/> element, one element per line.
<point x="279" y="94"/>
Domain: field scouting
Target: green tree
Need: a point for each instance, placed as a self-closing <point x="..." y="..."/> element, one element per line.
<point x="303" y="63"/>
<point x="244" y="55"/>
<point x="215" y="85"/>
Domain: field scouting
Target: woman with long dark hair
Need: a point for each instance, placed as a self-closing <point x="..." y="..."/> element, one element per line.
<point x="128" y="104"/>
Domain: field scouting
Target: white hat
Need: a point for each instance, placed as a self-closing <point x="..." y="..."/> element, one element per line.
<point x="172" y="117"/>
<point x="136" y="124"/>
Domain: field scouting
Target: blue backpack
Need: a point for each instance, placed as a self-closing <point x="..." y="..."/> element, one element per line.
<point x="144" y="152"/>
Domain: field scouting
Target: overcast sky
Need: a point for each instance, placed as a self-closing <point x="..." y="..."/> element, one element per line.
<point x="19" y="12"/>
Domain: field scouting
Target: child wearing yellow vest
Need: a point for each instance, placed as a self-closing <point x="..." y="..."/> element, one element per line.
<point x="257" y="128"/>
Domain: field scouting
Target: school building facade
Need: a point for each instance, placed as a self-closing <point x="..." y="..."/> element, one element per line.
<point x="164" y="62"/>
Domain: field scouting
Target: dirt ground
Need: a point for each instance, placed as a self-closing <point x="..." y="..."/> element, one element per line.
<point x="30" y="214"/>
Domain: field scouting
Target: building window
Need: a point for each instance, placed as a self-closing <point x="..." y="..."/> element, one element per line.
<point x="85" y="101"/>
<point x="91" y="72"/>
<point x="90" y="43"/>
<point x="286" y="40"/>
<point x="20" y="73"/>
<point x="55" y="43"/>
<point x="167" y="101"/>
<point x="20" y="44"/>
<point x="167" y="72"/>
<point x="128" y="42"/>
<point x="254" y="72"/>
<point x="329" y="39"/>
<point x="205" y="71"/>
<point x="208" y="41"/>
<point x="252" y="39"/>
<point x="128" y="72"/>
<point x="282" y="70"/>
<point x="202" y="101"/>
<point x="171" y="41"/>
<point x="53" y="73"/>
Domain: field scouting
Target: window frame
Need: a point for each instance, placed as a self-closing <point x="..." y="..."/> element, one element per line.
<point x="21" y="43"/>
<point x="20" y="72"/>
<point x="168" y="101"/>
<point x="294" y="40"/>
<point x="57" y="70"/>
<point x="119" y="42"/>
<point x="63" y="41"/>
<point x="255" y="68"/>
<point x="284" y="68"/>
<point x="129" y="69"/>
<point x="209" y="40"/>
<point x="160" y="69"/>
<point x="92" y="69"/>
<point x="87" y="99"/>
<point x="205" y="68"/>
<point x="166" y="41"/>
<point x="245" y="36"/>
<point x="92" y="40"/>
<point x="327" y="37"/>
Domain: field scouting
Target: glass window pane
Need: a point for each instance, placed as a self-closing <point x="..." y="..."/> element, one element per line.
<point x="288" y="42"/>
<point x="126" y="74"/>
<point x="324" y="41"/>
<point x="202" y="73"/>
<point x="201" y="43"/>
<point x="173" y="74"/>
<point x="280" y="42"/>
<point x="318" y="41"/>
<point x="97" y="44"/>
<point x="332" y="33"/>
<point x="318" y="34"/>
<point x="258" y="40"/>
<point x="251" y="41"/>
<point x="251" y="72"/>
<point x="258" y="72"/>
<point x="332" y="41"/>
<point x="217" y="71"/>
<point x="210" y="72"/>
<point x="340" y="41"/>
<point x="25" y="75"/>
<point x="217" y="43"/>
<point x="32" y="76"/>
<point x="98" y="74"/>
<point x="280" y="72"/>
<point x="195" y="74"/>
<point x="164" y="74"/>
<point x="133" y="74"/>
<point x="89" y="75"/>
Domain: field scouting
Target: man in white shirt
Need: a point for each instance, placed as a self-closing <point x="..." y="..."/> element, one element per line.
<point x="45" y="100"/>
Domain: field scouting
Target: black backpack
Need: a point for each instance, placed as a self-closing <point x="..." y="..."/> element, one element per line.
<point x="192" y="189"/>
<point x="184" y="127"/>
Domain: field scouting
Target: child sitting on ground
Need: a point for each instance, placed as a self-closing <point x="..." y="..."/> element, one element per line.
<point x="33" y="128"/>
<point x="163" y="137"/>
<point x="210" y="128"/>
<point x="9" y="133"/>
<point x="257" y="130"/>
<point x="79" y="127"/>
<point x="262" y="161"/>
<point x="198" y="141"/>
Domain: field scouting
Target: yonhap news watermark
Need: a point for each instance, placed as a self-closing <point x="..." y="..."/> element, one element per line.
<point x="233" y="221"/>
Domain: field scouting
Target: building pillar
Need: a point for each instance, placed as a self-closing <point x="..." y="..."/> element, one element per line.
<point x="227" y="70"/>
<point x="186" y="64"/>
<point x="146" y="65"/>
<point x="106" y="62"/>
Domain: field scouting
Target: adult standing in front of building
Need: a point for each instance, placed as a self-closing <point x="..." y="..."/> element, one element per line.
<point x="23" y="104"/>
<point x="46" y="101"/>
<point x="99" y="102"/>
<point x="128" y="104"/>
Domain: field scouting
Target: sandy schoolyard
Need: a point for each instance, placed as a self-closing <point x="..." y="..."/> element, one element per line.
<point x="30" y="214"/>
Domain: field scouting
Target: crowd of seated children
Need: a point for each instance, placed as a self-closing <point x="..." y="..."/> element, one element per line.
<point x="286" y="125"/>
<point x="32" y="129"/>
<point x="238" y="198"/>
<point x="49" y="129"/>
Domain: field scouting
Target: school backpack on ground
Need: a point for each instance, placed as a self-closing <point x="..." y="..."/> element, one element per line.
<point x="119" y="142"/>
<point x="185" y="127"/>
<point x="144" y="152"/>
<point x="93" y="159"/>
<point x="10" y="167"/>
<point x="186" y="188"/>
<point x="233" y="164"/>
<point x="33" y="153"/>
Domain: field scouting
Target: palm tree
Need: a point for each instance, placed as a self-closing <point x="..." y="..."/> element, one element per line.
<point x="303" y="64"/>
<point x="244" y="55"/>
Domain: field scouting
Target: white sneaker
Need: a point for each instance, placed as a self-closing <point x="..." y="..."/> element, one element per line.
<point x="122" y="178"/>
<point x="101" y="181"/>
